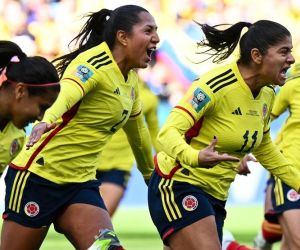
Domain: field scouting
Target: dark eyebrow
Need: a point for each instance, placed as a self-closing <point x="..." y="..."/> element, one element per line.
<point x="286" y="48"/>
<point x="151" y="26"/>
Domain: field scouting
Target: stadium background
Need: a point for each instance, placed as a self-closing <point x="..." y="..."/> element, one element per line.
<point x="45" y="27"/>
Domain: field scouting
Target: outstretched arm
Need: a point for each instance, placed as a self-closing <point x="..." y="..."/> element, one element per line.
<point x="172" y="141"/>
<point x="68" y="96"/>
<point x="273" y="160"/>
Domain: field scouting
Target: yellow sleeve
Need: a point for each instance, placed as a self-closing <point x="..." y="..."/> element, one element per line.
<point x="151" y="118"/>
<point x="281" y="100"/>
<point x="140" y="142"/>
<point x="172" y="141"/>
<point x="197" y="102"/>
<point x="68" y="96"/>
<point x="77" y="81"/>
<point x="271" y="158"/>
<point x="84" y="76"/>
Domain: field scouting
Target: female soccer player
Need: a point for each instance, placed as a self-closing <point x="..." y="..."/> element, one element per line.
<point x="28" y="86"/>
<point x="99" y="95"/>
<point x="281" y="201"/>
<point x="285" y="199"/>
<point x="228" y="110"/>
<point x="117" y="160"/>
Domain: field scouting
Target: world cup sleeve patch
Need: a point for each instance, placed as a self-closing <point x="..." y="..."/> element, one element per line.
<point x="200" y="98"/>
<point x="83" y="73"/>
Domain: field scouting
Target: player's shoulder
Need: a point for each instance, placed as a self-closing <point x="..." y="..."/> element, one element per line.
<point x="268" y="93"/>
<point x="270" y="89"/>
<point x="95" y="63"/>
<point x="292" y="81"/>
<point x="219" y="80"/>
<point x="293" y="76"/>
<point x="97" y="58"/>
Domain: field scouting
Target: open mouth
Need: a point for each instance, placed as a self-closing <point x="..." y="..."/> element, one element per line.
<point x="283" y="72"/>
<point x="150" y="51"/>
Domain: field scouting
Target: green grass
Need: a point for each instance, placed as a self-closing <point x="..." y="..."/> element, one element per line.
<point x="244" y="222"/>
<point x="136" y="231"/>
<point x="133" y="226"/>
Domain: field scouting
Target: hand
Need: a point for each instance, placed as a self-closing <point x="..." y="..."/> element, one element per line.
<point x="37" y="132"/>
<point x="208" y="157"/>
<point x="243" y="168"/>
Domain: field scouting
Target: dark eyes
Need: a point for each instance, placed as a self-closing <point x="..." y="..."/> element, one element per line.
<point x="285" y="51"/>
<point x="149" y="29"/>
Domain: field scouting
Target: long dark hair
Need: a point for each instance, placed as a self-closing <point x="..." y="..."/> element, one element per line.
<point x="32" y="71"/>
<point x="261" y="35"/>
<point x="101" y="26"/>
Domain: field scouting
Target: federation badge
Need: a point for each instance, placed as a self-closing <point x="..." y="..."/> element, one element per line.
<point x="83" y="73"/>
<point x="14" y="147"/>
<point x="31" y="209"/>
<point x="200" y="98"/>
<point x="264" y="110"/>
<point x="292" y="195"/>
<point x="190" y="203"/>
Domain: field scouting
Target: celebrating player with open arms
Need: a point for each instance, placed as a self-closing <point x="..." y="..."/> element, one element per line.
<point x="232" y="104"/>
<point x="54" y="181"/>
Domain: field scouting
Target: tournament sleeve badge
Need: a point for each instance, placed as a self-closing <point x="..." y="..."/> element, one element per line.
<point x="83" y="73"/>
<point x="200" y="98"/>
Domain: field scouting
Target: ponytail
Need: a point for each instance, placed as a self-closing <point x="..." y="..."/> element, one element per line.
<point x="261" y="35"/>
<point x="37" y="72"/>
<point x="221" y="43"/>
<point x="8" y="50"/>
<point x="90" y="35"/>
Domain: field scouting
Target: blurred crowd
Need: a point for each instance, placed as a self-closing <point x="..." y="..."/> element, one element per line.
<point x="45" y="27"/>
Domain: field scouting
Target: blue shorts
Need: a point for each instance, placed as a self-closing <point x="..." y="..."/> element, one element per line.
<point x="283" y="197"/>
<point x="174" y="205"/>
<point x="118" y="177"/>
<point x="270" y="215"/>
<point x="35" y="202"/>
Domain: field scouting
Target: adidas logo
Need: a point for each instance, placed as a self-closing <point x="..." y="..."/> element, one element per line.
<point x="237" y="111"/>
<point x="185" y="172"/>
<point x="40" y="161"/>
<point x="117" y="91"/>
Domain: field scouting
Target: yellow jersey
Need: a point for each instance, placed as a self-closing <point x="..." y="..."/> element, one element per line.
<point x="117" y="154"/>
<point x="220" y="104"/>
<point x="94" y="102"/>
<point x="11" y="141"/>
<point x="288" y="139"/>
